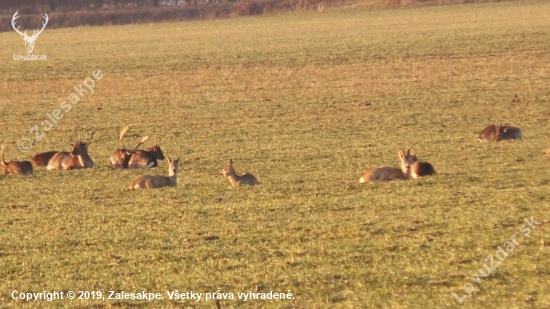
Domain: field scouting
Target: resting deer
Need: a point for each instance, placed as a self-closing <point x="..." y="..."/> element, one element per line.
<point x="387" y="173"/>
<point x="244" y="179"/>
<point x="14" y="167"/>
<point x="496" y="133"/>
<point x="77" y="158"/>
<point x="413" y="166"/>
<point x="121" y="156"/>
<point x="158" y="181"/>
<point x="146" y="158"/>
<point x="42" y="159"/>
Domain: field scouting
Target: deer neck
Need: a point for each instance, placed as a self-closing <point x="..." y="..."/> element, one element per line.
<point x="172" y="178"/>
<point x="233" y="177"/>
<point x="85" y="160"/>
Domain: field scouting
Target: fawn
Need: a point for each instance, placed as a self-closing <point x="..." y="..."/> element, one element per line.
<point x="386" y="173"/>
<point x="244" y="179"/>
<point x="158" y="181"/>
<point x="496" y="133"/>
<point x="14" y="167"/>
<point x="416" y="168"/>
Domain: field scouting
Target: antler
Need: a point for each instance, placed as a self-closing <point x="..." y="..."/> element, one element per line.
<point x="44" y="23"/>
<point x="122" y="133"/>
<point x="142" y="140"/>
<point x="2" y="154"/>
<point x="156" y="142"/>
<point x="15" y="16"/>
<point x="91" y="136"/>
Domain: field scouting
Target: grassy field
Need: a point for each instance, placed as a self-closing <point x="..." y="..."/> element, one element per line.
<point x="306" y="102"/>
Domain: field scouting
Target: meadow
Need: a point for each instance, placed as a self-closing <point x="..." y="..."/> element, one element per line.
<point x="306" y="101"/>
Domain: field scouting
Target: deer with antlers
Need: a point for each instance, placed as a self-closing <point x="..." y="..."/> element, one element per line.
<point x="120" y="157"/>
<point x="77" y="158"/>
<point x="29" y="40"/>
<point x="146" y="158"/>
<point x="14" y="167"/>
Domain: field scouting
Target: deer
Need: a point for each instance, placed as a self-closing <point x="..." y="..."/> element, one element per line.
<point x="236" y="180"/>
<point x="547" y="152"/>
<point x="158" y="181"/>
<point x="14" y="167"/>
<point x="120" y="157"/>
<point x="414" y="167"/>
<point x="42" y="159"/>
<point x="75" y="159"/>
<point x="29" y="40"/>
<point x="387" y="173"/>
<point x="496" y="133"/>
<point x="146" y="158"/>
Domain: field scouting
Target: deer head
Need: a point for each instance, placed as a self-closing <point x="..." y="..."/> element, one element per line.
<point x="80" y="147"/>
<point x="156" y="151"/>
<point x="29" y="40"/>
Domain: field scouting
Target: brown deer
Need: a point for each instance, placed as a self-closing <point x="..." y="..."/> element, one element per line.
<point x="387" y="173"/>
<point x="146" y="158"/>
<point x="158" y="181"/>
<point x="42" y="159"/>
<point x="496" y="133"/>
<point x="14" y="167"/>
<point x="77" y="158"/>
<point x="412" y="166"/>
<point x="244" y="179"/>
<point x="120" y="157"/>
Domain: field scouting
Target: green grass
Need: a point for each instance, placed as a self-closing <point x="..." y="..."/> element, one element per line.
<point x="306" y="102"/>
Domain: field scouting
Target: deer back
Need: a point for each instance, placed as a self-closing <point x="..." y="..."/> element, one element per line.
<point x="143" y="159"/>
<point x="17" y="167"/>
<point x="42" y="159"/>
<point x="488" y="134"/>
<point x="120" y="158"/>
<point x="509" y="132"/>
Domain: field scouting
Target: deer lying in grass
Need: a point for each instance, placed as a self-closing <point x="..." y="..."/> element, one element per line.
<point x="496" y="133"/>
<point x="146" y="158"/>
<point x="77" y="158"/>
<point x="244" y="179"/>
<point x="42" y="159"/>
<point x="157" y="181"/>
<point x="120" y="157"/>
<point x="413" y="166"/>
<point x="387" y="173"/>
<point x="14" y="167"/>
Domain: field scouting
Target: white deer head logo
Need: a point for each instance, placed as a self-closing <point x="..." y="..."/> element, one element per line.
<point x="29" y="40"/>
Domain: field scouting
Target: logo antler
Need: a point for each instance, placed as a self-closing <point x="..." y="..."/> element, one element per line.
<point x="29" y="40"/>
